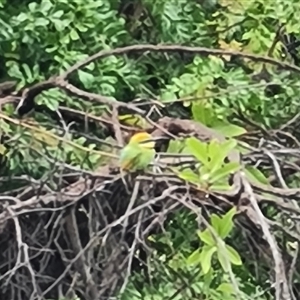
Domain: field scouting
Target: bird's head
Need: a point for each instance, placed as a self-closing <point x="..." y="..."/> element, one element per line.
<point x="144" y="139"/>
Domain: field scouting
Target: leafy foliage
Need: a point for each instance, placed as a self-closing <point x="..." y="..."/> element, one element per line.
<point x="212" y="172"/>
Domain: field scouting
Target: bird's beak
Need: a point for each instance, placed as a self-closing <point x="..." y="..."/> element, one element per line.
<point x="155" y="139"/>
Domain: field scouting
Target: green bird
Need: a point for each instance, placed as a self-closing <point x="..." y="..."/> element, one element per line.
<point x="138" y="153"/>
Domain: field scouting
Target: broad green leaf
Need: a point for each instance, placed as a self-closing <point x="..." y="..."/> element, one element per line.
<point x="58" y="14"/>
<point x="202" y="113"/>
<point x="74" y="35"/>
<point x="216" y="63"/>
<point x="216" y="223"/>
<point x="224" y="171"/>
<point x="218" y="158"/>
<point x="175" y="146"/>
<point x="81" y="140"/>
<point x="229" y="145"/>
<point x="41" y="22"/>
<point x="52" y="105"/>
<point x="185" y="149"/>
<point x="233" y="256"/>
<point x="194" y="258"/>
<point x="198" y="149"/>
<point x="206" y="256"/>
<point x="32" y="6"/>
<point x="223" y="260"/>
<point x="168" y="97"/>
<point x="189" y="176"/>
<point x="81" y="27"/>
<point x="220" y="187"/>
<point x="230" y="130"/>
<point x="208" y="277"/>
<point x="14" y="69"/>
<point x="28" y="73"/>
<point x="45" y="6"/>
<point x="21" y="17"/>
<point x="226" y="288"/>
<point x="255" y="175"/>
<point x="214" y="148"/>
<point x="226" y="223"/>
<point x="94" y="159"/>
<point x="206" y="237"/>
<point x="86" y="78"/>
<point x="204" y="172"/>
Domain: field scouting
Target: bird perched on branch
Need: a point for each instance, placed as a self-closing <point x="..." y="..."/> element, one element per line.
<point x="138" y="153"/>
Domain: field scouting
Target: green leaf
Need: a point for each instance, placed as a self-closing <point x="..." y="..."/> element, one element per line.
<point x="227" y="223"/>
<point x="22" y="17"/>
<point x="28" y="73"/>
<point x="217" y="159"/>
<point x="256" y="175"/>
<point x="86" y="78"/>
<point x="208" y="277"/>
<point x="45" y="6"/>
<point x="220" y="187"/>
<point x="53" y="105"/>
<point x="81" y="27"/>
<point x="175" y="146"/>
<point x="202" y="113"/>
<point x="224" y="171"/>
<point x="223" y="260"/>
<point x="74" y="35"/>
<point x="32" y="6"/>
<point x="206" y="237"/>
<point x="204" y="175"/>
<point x="14" y="70"/>
<point x="226" y="288"/>
<point x="94" y="158"/>
<point x="168" y="97"/>
<point x="41" y="22"/>
<point x="230" y="130"/>
<point x="58" y="14"/>
<point x="229" y="145"/>
<point x="60" y="25"/>
<point x="233" y="256"/>
<point x="206" y="256"/>
<point x="194" y="258"/>
<point x="216" y="223"/>
<point x="214" y="149"/>
<point x="198" y="149"/>
<point x="189" y="176"/>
